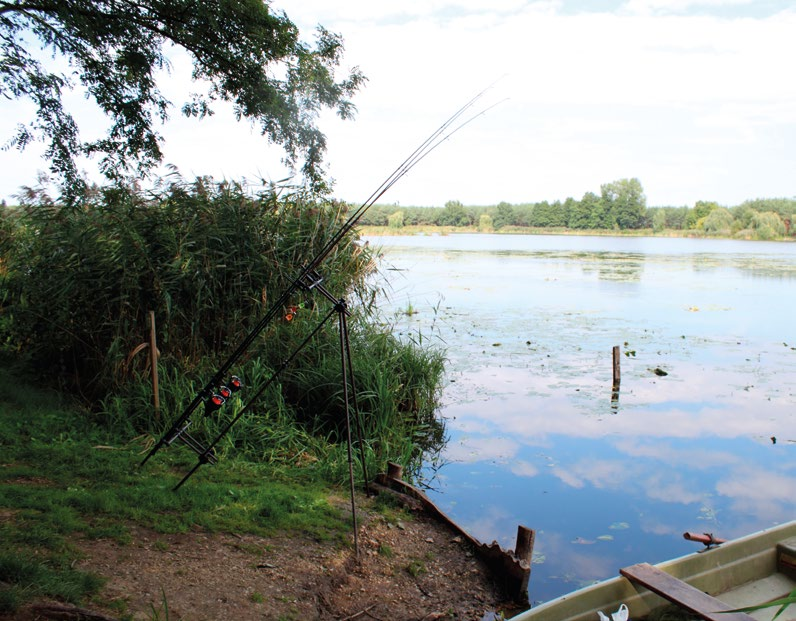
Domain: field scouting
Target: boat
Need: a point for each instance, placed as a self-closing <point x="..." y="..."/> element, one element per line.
<point x="749" y="571"/>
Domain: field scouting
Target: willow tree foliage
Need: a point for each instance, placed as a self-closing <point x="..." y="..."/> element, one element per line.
<point x="242" y="52"/>
<point x="718" y="222"/>
<point x="699" y="212"/>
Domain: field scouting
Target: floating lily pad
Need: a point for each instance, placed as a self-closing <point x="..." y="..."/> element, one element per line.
<point x="619" y="526"/>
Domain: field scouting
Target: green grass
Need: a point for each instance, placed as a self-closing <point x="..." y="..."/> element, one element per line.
<point x="256" y="597"/>
<point x="62" y="477"/>
<point x="416" y="568"/>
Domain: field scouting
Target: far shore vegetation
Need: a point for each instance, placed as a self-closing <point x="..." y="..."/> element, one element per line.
<point x="619" y="209"/>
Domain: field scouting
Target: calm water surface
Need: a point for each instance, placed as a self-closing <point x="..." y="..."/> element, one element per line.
<point x="528" y="323"/>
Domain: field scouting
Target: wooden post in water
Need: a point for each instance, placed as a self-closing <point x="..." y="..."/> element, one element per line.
<point x="617" y="377"/>
<point x="153" y="361"/>
<point x="523" y="550"/>
<point x="395" y="471"/>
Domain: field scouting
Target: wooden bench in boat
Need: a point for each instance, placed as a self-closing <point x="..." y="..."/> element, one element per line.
<point x="786" y="557"/>
<point x="681" y="593"/>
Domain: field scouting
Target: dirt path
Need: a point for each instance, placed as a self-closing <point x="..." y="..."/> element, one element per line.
<point x="407" y="570"/>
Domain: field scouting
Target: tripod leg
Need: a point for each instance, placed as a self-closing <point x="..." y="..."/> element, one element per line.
<point x="357" y="415"/>
<point x="344" y="366"/>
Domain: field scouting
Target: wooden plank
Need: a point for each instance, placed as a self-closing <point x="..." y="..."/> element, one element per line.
<point x="681" y="593"/>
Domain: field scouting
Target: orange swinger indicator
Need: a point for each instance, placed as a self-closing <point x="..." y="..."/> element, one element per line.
<point x="292" y="311"/>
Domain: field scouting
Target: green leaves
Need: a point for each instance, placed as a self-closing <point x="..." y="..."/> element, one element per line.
<point x="116" y="48"/>
<point x="782" y="602"/>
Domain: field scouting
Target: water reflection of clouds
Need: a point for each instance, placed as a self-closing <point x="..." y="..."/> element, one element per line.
<point x="692" y="403"/>
<point x="645" y="479"/>
<point x="599" y="473"/>
<point x="534" y="428"/>
<point x="651" y="524"/>
<point x="474" y="449"/>
<point x="670" y="487"/>
<point x="529" y="336"/>
<point x="760" y="492"/>
<point x="489" y="521"/>
<point x="561" y="557"/>
<point x="523" y="468"/>
<point x="671" y="456"/>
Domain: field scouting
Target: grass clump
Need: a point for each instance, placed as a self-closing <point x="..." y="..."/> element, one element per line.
<point x="385" y="550"/>
<point x="25" y="578"/>
<point x="416" y="568"/>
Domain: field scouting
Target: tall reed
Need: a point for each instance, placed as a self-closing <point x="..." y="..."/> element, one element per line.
<point x="77" y="285"/>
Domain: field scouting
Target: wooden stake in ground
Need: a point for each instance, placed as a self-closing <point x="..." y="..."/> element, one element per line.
<point x="153" y="360"/>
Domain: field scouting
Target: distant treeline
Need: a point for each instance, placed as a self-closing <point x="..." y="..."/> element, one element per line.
<point x="621" y="205"/>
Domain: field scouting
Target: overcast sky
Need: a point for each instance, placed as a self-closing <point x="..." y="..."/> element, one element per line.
<point x="697" y="99"/>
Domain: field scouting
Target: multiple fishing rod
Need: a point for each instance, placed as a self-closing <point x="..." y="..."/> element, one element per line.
<point x="222" y="385"/>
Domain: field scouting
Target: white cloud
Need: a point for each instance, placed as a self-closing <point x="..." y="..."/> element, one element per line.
<point x="697" y="107"/>
<point x="645" y="7"/>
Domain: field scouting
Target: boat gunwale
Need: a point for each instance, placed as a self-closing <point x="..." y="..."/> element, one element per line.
<point x="713" y="571"/>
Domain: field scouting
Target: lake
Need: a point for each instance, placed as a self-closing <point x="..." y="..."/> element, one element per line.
<point x="701" y="437"/>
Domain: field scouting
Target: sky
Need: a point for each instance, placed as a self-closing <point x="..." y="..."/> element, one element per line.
<point x="695" y="98"/>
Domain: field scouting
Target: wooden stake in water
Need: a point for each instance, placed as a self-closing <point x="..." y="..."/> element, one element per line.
<point x="617" y="378"/>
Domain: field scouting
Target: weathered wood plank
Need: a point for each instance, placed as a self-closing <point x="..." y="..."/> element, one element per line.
<point x="513" y="569"/>
<point x="681" y="593"/>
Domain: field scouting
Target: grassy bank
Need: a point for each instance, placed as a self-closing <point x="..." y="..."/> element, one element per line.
<point x="65" y="478"/>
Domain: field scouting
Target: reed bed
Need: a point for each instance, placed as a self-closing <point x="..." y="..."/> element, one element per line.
<point x="77" y="285"/>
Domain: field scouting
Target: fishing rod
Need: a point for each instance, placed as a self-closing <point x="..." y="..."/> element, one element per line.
<point x="216" y="391"/>
<point x="429" y="144"/>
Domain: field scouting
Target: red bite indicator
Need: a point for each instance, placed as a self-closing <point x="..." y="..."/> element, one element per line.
<point x="214" y="403"/>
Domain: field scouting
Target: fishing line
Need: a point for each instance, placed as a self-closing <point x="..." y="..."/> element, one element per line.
<point x="434" y="140"/>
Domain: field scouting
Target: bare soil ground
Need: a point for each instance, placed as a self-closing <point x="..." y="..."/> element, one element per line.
<point x="412" y="569"/>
